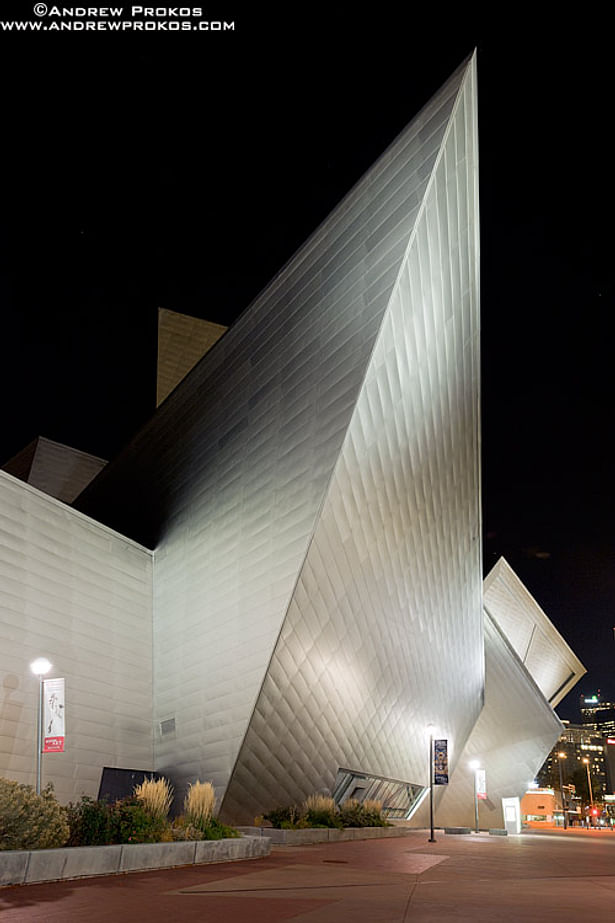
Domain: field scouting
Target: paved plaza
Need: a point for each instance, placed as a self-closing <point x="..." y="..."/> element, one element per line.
<point x="536" y="876"/>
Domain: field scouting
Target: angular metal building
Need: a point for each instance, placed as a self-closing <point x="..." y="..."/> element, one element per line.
<point x="312" y="493"/>
<point x="307" y="502"/>
<point x="529" y="669"/>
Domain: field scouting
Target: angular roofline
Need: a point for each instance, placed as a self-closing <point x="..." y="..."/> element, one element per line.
<point x="504" y="572"/>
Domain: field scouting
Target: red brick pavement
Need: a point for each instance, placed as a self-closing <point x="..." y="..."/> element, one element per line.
<point x="537" y="877"/>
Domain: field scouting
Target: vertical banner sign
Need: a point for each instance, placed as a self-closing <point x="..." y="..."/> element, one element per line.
<point x="481" y="784"/>
<point x="53" y="716"/>
<point x="440" y="762"/>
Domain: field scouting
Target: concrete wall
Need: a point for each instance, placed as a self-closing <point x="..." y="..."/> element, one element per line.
<point x="79" y="594"/>
<point x="29" y="867"/>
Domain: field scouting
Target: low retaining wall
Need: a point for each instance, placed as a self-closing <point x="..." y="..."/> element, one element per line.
<point x="26" y="867"/>
<point x="319" y="835"/>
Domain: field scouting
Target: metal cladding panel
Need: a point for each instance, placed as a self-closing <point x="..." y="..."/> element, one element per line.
<point x="75" y="592"/>
<point x="182" y="341"/>
<point x="554" y="667"/>
<point x="273" y="376"/>
<point x="19" y="465"/>
<point x="245" y="449"/>
<point x="383" y="634"/>
<point x="58" y="470"/>
<point x="62" y="471"/>
<point x="511" y="740"/>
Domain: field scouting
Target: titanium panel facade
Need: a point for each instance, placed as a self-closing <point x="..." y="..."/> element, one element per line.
<point x="229" y="479"/>
<point x="182" y="342"/>
<point x="518" y="726"/>
<point x="58" y="470"/>
<point x="554" y="667"/>
<point x="81" y="595"/>
<point x="384" y="630"/>
<point x="511" y="740"/>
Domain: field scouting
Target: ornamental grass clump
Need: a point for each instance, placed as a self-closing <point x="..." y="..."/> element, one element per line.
<point x="199" y="804"/>
<point x="320" y="811"/>
<point x="351" y="813"/>
<point x="372" y="811"/>
<point x="156" y="796"/>
<point x="366" y="813"/>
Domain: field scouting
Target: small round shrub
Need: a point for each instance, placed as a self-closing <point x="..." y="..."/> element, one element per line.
<point x="132" y="823"/>
<point x="287" y="818"/>
<point x="216" y="830"/>
<point x="28" y="820"/>
<point x="89" y="822"/>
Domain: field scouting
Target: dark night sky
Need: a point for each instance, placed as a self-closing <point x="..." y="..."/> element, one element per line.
<point x="182" y="170"/>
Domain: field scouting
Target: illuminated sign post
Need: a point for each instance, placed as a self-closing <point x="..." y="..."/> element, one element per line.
<point x="440" y="762"/>
<point x="53" y="721"/>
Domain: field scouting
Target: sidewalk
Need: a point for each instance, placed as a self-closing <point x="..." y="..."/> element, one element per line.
<point x="559" y="875"/>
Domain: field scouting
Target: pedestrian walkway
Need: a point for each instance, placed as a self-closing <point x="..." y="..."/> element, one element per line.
<point x="560" y="875"/>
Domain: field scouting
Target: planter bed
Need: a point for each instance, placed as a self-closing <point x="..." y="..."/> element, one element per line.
<point x="26" y="867"/>
<point x="310" y="835"/>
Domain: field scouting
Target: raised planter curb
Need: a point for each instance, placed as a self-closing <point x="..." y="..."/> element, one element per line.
<point x="21" y="867"/>
<point x="311" y="835"/>
<point x="458" y="830"/>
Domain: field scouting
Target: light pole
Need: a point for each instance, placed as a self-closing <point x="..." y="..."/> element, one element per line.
<point x="560" y="757"/>
<point x="589" y="782"/>
<point x="475" y="765"/>
<point x="39" y="667"/>
<point x="431" y="729"/>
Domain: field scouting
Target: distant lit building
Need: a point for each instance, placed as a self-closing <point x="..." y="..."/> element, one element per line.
<point x="578" y="742"/>
<point x="598" y="714"/>
<point x="540" y="807"/>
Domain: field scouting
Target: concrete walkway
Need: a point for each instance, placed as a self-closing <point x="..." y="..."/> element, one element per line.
<point x="537" y="876"/>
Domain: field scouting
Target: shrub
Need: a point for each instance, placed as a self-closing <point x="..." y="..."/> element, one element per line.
<point x="96" y="823"/>
<point x="216" y="830"/>
<point x="287" y="818"/>
<point x="156" y="796"/>
<point x="320" y="811"/>
<point x="181" y="829"/>
<point x="28" y="820"/>
<point x="89" y="822"/>
<point x="130" y="822"/>
<point x="199" y="804"/>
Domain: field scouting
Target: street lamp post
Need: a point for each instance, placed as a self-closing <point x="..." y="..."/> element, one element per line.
<point x="432" y="838"/>
<point x="589" y="782"/>
<point x="475" y="765"/>
<point x="560" y="757"/>
<point x="39" y="667"/>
